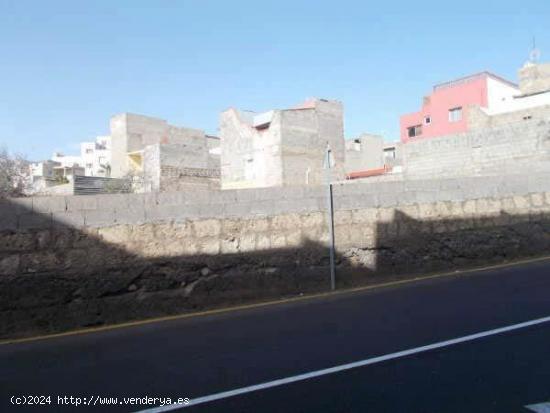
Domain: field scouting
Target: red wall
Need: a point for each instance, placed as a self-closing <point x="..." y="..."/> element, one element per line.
<point x="470" y="92"/>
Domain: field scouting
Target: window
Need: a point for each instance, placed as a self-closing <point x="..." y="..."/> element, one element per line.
<point x="89" y="165"/>
<point x="389" y="153"/>
<point x="414" y="131"/>
<point x="455" y="114"/>
<point x="427" y="120"/>
<point x="89" y="150"/>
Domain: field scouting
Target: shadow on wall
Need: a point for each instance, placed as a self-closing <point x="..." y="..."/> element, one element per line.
<point x="60" y="278"/>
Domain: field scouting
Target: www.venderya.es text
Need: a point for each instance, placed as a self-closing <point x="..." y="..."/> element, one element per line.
<point x="95" y="400"/>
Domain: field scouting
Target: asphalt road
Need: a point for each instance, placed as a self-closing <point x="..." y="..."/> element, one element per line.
<point x="206" y="355"/>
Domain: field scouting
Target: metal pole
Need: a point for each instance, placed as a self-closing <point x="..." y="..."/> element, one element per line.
<point x="330" y="218"/>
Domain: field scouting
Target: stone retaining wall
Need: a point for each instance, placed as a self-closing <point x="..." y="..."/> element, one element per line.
<point x="83" y="261"/>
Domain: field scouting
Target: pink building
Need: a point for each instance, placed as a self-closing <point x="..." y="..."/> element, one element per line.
<point x="444" y="112"/>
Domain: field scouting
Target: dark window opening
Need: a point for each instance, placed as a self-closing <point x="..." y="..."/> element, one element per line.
<point x="414" y="131"/>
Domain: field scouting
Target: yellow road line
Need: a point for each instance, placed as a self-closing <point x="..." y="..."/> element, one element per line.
<point x="272" y="302"/>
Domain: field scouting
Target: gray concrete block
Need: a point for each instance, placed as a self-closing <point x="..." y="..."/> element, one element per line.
<point x="537" y="183"/>
<point x="314" y="191"/>
<point x="407" y="198"/>
<point x="388" y="199"/>
<point x="150" y="204"/>
<point x="293" y="192"/>
<point x="68" y="219"/>
<point x="210" y="210"/>
<point x="265" y="194"/>
<point x="479" y="190"/>
<point x="8" y="220"/>
<point x="306" y="205"/>
<point x="35" y="221"/>
<point x="133" y="211"/>
<point x="49" y="204"/>
<point x="81" y="203"/>
<point x="451" y="195"/>
<point x="100" y="218"/>
<point x="112" y="202"/>
<point x="426" y="197"/>
<point x="8" y="208"/>
<point x="282" y="207"/>
<point x="241" y="209"/>
<point x="20" y="205"/>
<point x="150" y="198"/>
<point x="222" y="197"/>
<point x="162" y="213"/>
<point x="134" y="200"/>
<point x="166" y="198"/>
<point x="188" y="212"/>
<point x="134" y="215"/>
<point x="197" y="196"/>
<point x="421" y="185"/>
<point x="169" y="213"/>
<point x="263" y="208"/>
<point x="340" y="203"/>
<point x="511" y="186"/>
<point x="246" y="195"/>
<point x="452" y="184"/>
<point x="288" y="206"/>
<point x="364" y="201"/>
<point x="395" y="187"/>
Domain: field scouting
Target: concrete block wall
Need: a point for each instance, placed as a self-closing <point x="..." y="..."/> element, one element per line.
<point x="479" y="118"/>
<point x="112" y="209"/>
<point x="507" y="149"/>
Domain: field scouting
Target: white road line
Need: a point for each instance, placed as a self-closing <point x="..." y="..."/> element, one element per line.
<point x="539" y="408"/>
<point x="343" y="367"/>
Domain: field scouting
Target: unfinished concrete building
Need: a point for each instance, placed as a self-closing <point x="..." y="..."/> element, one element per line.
<point x="167" y="156"/>
<point x="368" y="155"/>
<point x="176" y="167"/>
<point x="281" y="147"/>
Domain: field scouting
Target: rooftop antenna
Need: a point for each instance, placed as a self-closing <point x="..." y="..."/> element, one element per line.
<point x="534" y="55"/>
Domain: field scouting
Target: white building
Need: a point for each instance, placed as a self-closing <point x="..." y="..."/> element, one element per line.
<point x="43" y="169"/>
<point x="534" y="91"/>
<point x="67" y="161"/>
<point x="96" y="156"/>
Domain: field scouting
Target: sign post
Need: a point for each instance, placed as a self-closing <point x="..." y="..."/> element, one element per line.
<point x="328" y="164"/>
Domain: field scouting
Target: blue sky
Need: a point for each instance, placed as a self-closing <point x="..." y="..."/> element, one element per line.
<point x="67" y="66"/>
